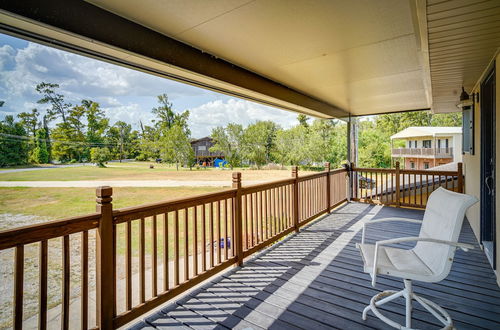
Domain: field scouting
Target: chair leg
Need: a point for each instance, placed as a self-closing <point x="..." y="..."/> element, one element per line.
<point x="389" y="295"/>
<point x="408" y="294"/>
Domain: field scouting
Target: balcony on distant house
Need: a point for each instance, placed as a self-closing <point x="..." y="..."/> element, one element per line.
<point x="422" y="152"/>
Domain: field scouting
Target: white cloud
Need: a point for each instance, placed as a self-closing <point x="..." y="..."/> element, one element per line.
<point x="219" y="113"/>
<point x="124" y="94"/>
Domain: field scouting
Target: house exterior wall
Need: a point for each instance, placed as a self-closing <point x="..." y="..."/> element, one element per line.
<point x="472" y="169"/>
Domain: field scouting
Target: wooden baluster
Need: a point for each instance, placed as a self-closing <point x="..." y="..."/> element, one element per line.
<point x="238" y="239"/>
<point x="18" y="287"/>
<point x="244" y="221"/>
<point x="415" y="185"/>
<point x="398" y="186"/>
<point x="295" y="198"/>
<point x="177" y="248"/>
<point x="280" y="207"/>
<point x="154" y="261"/>
<point x="42" y="305"/>
<point x="275" y="205"/>
<point x="128" y="266"/>
<point x="261" y="204"/>
<point x="226" y="230"/>
<point x="195" y="240"/>
<point x="166" y="264"/>
<point x="426" y="188"/>
<point x="250" y="219"/>
<point x="328" y="188"/>
<point x="142" y="261"/>
<point x="266" y="214"/>
<point x="186" y="244"/>
<point x="219" y="233"/>
<point x="421" y="184"/>
<point x="460" y="179"/>
<point x="212" y="250"/>
<point x="404" y="189"/>
<point x="84" y="260"/>
<point x="204" y="238"/>
<point x="105" y="259"/>
<point x="65" y="283"/>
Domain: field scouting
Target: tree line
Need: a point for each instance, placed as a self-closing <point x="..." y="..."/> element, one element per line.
<point x="70" y="133"/>
<point x="59" y="131"/>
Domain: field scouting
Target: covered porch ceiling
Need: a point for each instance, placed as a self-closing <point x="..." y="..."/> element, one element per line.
<point x="323" y="58"/>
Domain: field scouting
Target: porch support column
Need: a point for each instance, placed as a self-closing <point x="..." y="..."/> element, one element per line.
<point x="352" y="152"/>
<point x="352" y="140"/>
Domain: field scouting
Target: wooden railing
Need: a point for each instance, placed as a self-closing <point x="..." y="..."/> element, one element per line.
<point x="143" y="256"/>
<point x="397" y="187"/>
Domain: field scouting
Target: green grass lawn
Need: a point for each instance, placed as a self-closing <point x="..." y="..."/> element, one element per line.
<point x="66" y="202"/>
<point x="141" y="171"/>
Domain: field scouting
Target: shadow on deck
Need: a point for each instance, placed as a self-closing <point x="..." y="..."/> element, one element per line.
<point x="315" y="280"/>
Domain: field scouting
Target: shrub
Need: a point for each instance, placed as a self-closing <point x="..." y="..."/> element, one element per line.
<point x="99" y="156"/>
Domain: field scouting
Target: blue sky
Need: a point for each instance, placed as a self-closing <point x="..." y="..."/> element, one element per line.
<point x="124" y="94"/>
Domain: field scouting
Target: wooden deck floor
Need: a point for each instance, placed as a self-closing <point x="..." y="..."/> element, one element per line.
<point x="314" y="280"/>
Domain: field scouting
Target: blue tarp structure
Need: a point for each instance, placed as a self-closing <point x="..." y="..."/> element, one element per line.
<point x="220" y="162"/>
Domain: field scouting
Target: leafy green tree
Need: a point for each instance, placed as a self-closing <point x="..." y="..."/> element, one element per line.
<point x="447" y="119"/>
<point x="69" y="138"/>
<point x="97" y="123"/>
<point x="167" y="117"/>
<point x="176" y="147"/>
<point x="99" y="156"/>
<point x="228" y="141"/>
<point x="123" y="140"/>
<point x="40" y="153"/>
<point x="13" y="142"/>
<point x="58" y="107"/>
<point x="290" y="146"/>
<point x="30" y="121"/>
<point x="258" y="141"/>
<point x="373" y="146"/>
<point x="303" y="120"/>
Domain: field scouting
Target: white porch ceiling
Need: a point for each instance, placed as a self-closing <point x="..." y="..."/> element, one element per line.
<point x="361" y="55"/>
<point x="324" y="57"/>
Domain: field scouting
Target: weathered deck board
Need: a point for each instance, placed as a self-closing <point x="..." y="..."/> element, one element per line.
<point x="315" y="280"/>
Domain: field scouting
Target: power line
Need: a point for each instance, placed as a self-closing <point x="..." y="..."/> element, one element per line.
<point x="27" y="138"/>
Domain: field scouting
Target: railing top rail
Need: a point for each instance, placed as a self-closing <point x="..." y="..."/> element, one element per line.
<point x="379" y="170"/>
<point x="338" y="170"/>
<point x="145" y="210"/>
<point x="311" y="176"/>
<point x="43" y="231"/>
<point x="264" y="186"/>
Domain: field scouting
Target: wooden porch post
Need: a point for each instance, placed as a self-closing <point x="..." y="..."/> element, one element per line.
<point x="328" y="197"/>
<point x="295" y="175"/>
<point x="237" y="218"/>
<point x="398" y="188"/>
<point x="460" y="178"/>
<point x="105" y="294"/>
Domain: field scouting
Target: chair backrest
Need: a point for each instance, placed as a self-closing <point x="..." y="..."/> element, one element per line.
<point x="443" y="218"/>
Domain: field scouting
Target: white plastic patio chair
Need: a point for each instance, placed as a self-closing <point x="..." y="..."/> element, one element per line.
<point x="429" y="261"/>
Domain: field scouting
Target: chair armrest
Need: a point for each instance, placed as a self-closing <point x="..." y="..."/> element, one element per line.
<point x="463" y="246"/>
<point x="457" y="245"/>
<point x="385" y="220"/>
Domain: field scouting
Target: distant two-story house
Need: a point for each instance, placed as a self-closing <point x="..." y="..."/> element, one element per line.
<point x="427" y="147"/>
<point x="202" y="151"/>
